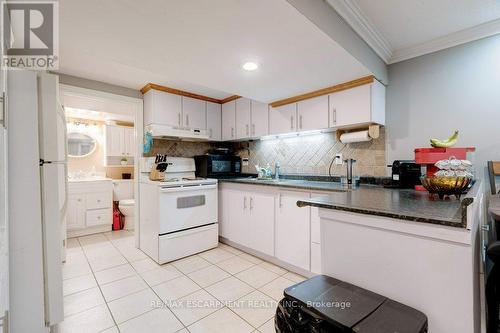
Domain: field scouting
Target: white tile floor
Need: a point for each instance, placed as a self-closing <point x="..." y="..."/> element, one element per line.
<point x="110" y="286"/>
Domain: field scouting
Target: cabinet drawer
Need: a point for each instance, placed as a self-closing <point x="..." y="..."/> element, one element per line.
<point x="98" y="217"/>
<point x="98" y="200"/>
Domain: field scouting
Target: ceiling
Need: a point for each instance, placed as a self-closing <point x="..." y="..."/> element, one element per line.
<point x="398" y="30"/>
<point x="200" y="45"/>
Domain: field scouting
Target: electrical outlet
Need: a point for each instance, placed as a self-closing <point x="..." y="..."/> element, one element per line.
<point x="244" y="161"/>
<point x="338" y="159"/>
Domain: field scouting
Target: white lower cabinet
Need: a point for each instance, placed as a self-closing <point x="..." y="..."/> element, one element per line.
<point x="90" y="207"/>
<point x="261" y="231"/>
<point x="268" y="220"/>
<point x="293" y="240"/>
<point x="248" y="219"/>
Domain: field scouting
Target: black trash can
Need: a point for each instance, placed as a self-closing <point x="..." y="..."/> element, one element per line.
<point x="324" y="304"/>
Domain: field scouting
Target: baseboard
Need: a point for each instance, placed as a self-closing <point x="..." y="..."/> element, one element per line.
<point x="266" y="257"/>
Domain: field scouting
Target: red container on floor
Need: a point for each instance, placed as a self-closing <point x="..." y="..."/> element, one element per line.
<point x="118" y="218"/>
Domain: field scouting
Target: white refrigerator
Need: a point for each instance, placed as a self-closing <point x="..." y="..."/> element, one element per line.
<point x="37" y="201"/>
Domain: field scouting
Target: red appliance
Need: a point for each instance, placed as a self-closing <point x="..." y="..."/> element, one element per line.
<point x="429" y="156"/>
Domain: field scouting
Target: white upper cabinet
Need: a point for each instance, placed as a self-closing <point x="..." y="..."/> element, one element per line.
<point x="214" y="121"/>
<point x="129" y="141"/>
<point x="120" y="141"/>
<point x="162" y="108"/>
<point x="229" y="120"/>
<point x="283" y="119"/>
<point x="194" y="113"/>
<point x="243" y="118"/>
<point x="313" y="113"/>
<point x="114" y="141"/>
<point x="260" y="119"/>
<point x="359" y="105"/>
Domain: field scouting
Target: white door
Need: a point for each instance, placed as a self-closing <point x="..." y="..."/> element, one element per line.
<point x="283" y="119"/>
<point x="351" y="106"/>
<point x="194" y="113"/>
<point x="238" y="216"/>
<point x="167" y="108"/>
<point x="4" y="228"/>
<point x="293" y="241"/>
<point x="75" y="215"/>
<point x="242" y="118"/>
<point x="313" y="113"/>
<point x="53" y="178"/>
<point x="261" y="222"/>
<point x="214" y="121"/>
<point x="228" y="120"/>
<point x="260" y="119"/>
<point x="129" y="141"/>
<point x="115" y="141"/>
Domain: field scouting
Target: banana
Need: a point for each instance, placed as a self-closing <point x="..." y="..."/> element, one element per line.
<point x="450" y="142"/>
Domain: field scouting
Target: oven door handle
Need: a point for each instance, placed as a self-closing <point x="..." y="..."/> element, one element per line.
<point x="188" y="188"/>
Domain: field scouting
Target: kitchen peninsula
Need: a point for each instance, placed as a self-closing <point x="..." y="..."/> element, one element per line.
<point x="402" y="244"/>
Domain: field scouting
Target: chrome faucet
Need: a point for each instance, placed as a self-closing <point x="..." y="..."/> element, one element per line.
<point x="349" y="162"/>
<point x="277" y="170"/>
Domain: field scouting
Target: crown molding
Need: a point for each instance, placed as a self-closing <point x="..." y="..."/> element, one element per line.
<point x="362" y="25"/>
<point x="460" y="37"/>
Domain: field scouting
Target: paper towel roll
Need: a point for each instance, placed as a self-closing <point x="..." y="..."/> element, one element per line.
<point x="360" y="136"/>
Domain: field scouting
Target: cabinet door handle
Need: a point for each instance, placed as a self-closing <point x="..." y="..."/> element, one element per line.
<point x="253" y="129"/>
<point x="300" y="121"/>
<point x="246" y="128"/>
<point x="291" y="122"/>
<point x="210" y="131"/>
<point x="98" y="200"/>
<point x="279" y="201"/>
<point x="335" y="116"/>
<point x="245" y="203"/>
<point x="179" y="118"/>
<point x="79" y="200"/>
<point x="187" y="120"/>
<point x="232" y="132"/>
<point x="251" y="203"/>
<point x="99" y="217"/>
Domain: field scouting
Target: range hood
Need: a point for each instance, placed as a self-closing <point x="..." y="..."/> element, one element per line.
<point x="174" y="133"/>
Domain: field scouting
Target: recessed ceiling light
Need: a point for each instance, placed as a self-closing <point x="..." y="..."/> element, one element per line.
<point x="250" y="66"/>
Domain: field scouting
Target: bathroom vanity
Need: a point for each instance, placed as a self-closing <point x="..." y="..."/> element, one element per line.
<point x="90" y="206"/>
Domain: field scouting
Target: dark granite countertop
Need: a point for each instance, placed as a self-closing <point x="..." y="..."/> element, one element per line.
<point x="404" y="204"/>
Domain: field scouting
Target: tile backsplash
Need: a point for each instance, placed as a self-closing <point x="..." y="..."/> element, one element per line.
<point x="308" y="155"/>
<point x="179" y="148"/>
<point x="312" y="155"/>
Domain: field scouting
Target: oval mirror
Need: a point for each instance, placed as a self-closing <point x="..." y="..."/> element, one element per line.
<point x="80" y="145"/>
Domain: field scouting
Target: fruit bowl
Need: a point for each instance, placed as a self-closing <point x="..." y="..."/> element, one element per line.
<point x="446" y="185"/>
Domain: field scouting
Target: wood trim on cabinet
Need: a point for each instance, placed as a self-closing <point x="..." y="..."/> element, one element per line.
<point x="324" y="91"/>
<point x="229" y="99"/>
<point x="150" y="86"/>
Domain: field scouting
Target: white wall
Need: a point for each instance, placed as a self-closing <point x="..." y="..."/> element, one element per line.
<point x="432" y="95"/>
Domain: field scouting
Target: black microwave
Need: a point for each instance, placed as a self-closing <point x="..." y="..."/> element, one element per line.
<point x="217" y="166"/>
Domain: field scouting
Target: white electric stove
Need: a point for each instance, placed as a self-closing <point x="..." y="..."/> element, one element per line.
<point x="178" y="216"/>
